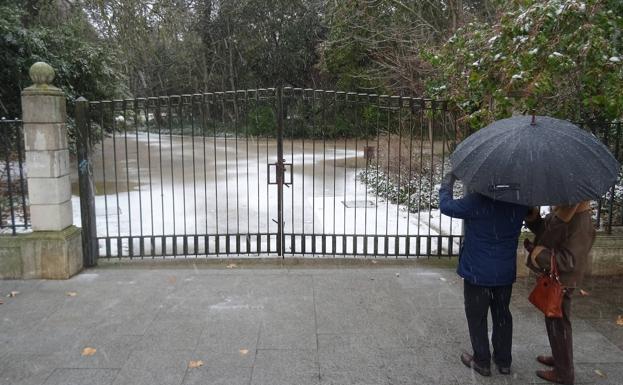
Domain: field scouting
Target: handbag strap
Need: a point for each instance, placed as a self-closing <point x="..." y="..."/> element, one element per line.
<point x="553" y="265"/>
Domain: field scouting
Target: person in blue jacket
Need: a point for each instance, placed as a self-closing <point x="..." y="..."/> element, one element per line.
<point x="487" y="263"/>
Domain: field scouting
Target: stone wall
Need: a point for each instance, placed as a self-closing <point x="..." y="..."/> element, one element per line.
<point x="41" y="254"/>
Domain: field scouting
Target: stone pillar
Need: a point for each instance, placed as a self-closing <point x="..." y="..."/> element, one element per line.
<point x="47" y="152"/>
<point x="59" y="254"/>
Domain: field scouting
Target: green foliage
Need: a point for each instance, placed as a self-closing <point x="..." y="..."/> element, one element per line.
<point x="375" y="45"/>
<point x="185" y="46"/>
<point x="420" y="192"/>
<point x="83" y="67"/>
<point x="262" y="121"/>
<point x="559" y="58"/>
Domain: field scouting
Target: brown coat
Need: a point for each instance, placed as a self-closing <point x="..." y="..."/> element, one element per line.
<point x="570" y="241"/>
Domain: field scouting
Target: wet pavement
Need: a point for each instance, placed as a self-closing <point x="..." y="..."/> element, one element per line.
<point x="262" y="323"/>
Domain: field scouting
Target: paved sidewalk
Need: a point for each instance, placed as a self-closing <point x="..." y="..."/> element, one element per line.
<point x="373" y="325"/>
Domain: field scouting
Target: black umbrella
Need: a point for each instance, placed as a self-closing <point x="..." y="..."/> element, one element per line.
<point x="535" y="161"/>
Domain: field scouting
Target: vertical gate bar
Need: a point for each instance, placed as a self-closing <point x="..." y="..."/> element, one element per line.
<point x="444" y="143"/>
<point x="599" y="201"/>
<point x="235" y="105"/>
<point x="280" y="235"/>
<point x="127" y="176"/>
<point x="303" y="238"/>
<point x="324" y="171"/>
<point x="138" y="175"/>
<point x="368" y="157"/>
<point x="20" y="163"/>
<point x="334" y="230"/>
<point x="420" y="173"/>
<point x="268" y="232"/>
<point x="398" y="200"/>
<point x="606" y="139"/>
<point x="7" y="135"/>
<point x="217" y="240"/>
<point x="355" y="109"/>
<point x="257" y="143"/>
<point x="248" y="186"/>
<point x="388" y="181"/>
<point x="114" y="137"/>
<point x="152" y="244"/>
<point x="431" y="135"/>
<point x="410" y="180"/>
<point x="378" y="161"/>
<point x="3" y="145"/>
<point x="442" y="112"/>
<point x="620" y="181"/>
<point x="223" y="106"/>
<point x="102" y="127"/>
<point x="170" y="122"/>
<point x="202" y="113"/>
<point x="454" y="133"/>
<point x="192" y="136"/>
<point x="292" y="238"/>
<point x="612" y="189"/>
<point x="313" y="106"/>
<point x="163" y="245"/>
<point x="85" y="174"/>
<point x="180" y="122"/>
<point x="345" y="136"/>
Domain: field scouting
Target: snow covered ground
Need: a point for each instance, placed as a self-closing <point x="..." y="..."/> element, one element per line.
<point x="150" y="185"/>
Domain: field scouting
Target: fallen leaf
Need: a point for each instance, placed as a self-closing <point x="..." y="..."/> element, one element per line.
<point x="171" y="280"/>
<point x="88" y="351"/>
<point x="1" y="302"/>
<point x="397" y="274"/>
<point x="584" y="292"/>
<point x="620" y="320"/>
<point x="244" y="352"/>
<point x="13" y="294"/>
<point x="195" y="364"/>
<point x="600" y="373"/>
<point x="71" y="294"/>
<point x="231" y="266"/>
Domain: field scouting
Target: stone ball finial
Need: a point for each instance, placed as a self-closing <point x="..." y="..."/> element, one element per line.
<point x="41" y="73"/>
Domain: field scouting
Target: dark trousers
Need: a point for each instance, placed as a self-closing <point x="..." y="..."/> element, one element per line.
<point x="561" y="341"/>
<point x="478" y="300"/>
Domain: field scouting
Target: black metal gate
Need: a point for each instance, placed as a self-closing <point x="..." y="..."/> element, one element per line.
<point x="280" y="171"/>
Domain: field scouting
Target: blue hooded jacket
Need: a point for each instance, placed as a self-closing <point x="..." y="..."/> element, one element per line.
<point x="488" y="256"/>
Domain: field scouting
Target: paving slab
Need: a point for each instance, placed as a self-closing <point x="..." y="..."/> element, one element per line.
<point x="285" y="367"/>
<point x="27" y="369"/>
<point x="152" y="367"/>
<point x="218" y="375"/>
<point x="401" y="324"/>
<point x="82" y="377"/>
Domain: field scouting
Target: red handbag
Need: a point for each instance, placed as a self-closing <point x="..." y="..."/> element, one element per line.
<point x="548" y="292"/>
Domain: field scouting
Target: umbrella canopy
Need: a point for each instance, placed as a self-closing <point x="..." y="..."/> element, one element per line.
<point x="535" y="161"/>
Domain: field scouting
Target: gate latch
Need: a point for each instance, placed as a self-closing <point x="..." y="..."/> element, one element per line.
<point x="287" y="173"/>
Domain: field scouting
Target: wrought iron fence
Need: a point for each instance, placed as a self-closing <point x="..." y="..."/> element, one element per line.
<point x="609" y="209"/>
<point x="278" y="172"/>
<point x="271" y="171"/>
<point x="14" y="214"/>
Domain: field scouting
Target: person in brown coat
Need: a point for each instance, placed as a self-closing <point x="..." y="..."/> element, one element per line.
<point x="569" y="233"/>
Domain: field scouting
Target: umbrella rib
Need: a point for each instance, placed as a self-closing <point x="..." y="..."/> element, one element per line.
<point x="484" y="157"/>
